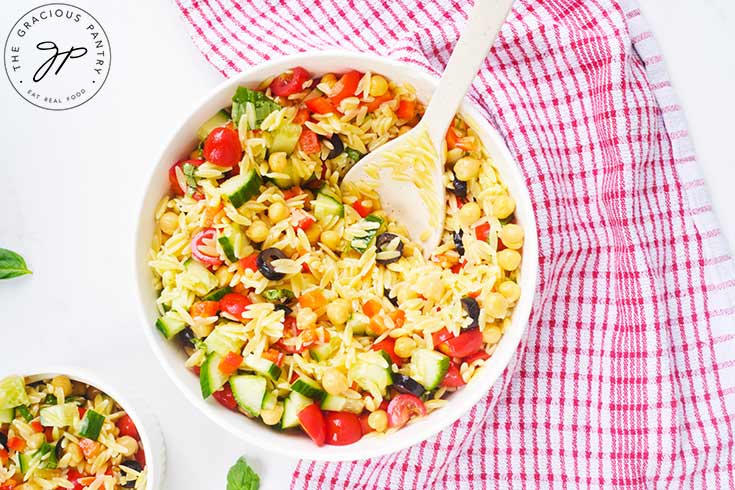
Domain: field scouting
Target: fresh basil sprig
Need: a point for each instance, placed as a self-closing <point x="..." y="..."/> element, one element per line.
<point x="12" y="264"/>
<point x="242" y="477"/>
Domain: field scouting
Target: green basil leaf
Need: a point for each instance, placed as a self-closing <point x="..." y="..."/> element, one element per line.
<point x="12" y="264"/>
<point x="242" y="477"/>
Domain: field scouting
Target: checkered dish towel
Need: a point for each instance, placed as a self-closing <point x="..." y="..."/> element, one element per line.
<point x="626" y="378"/>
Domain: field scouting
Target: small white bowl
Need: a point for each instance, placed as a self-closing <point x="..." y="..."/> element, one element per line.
<point x="147" y="425"/>
<point x="172" y="357"/>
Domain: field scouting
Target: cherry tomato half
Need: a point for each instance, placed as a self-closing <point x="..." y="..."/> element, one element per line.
<point x="222" y="147"/>
<point x="402" y="408"/>
<point x="290" y="82"/>
<point x="342" y="428"/>
<point x="126" y="426"/>
<point x="453" y="378"/>
<point x="210" y="235"/>
<point x="312" y="421"/>
<point x="477" y="355"/>
<point x="174" y="180"/>
<point x="388" y="345"/>
<point x="440" y="336"/>
<point x="226" y="398"/>
<point x="249" y="262"/>
<point x="463" y="345"/>
<point x="364" y="423"/>
<point x="234" y="304"/>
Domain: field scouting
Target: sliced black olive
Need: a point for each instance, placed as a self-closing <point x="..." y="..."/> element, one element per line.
<point x="3" y="440"/>
<point x="393" y="300"/>
<point x="470" y="306"/>
<point x="133" y="465"/>
<point x="406" y="384"/>
<point x="185" y="337"/>
<point x="337" y="146"/>
<point x="59" y="451"/>
<point x="460" y="188"/>
<point x="286" y="310"/>
<point x="458" y="244"/>
<point x="383" y="242"/>
<point x="265" y="263"/>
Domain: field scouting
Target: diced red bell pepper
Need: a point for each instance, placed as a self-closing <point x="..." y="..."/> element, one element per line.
<point x="320" y="105"/>
<point x="309" y="142"/>
<point x="230" y="363"/>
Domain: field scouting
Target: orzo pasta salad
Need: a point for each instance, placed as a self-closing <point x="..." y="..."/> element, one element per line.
<point x="303" y="305"/>
<point x="63" y="434"/>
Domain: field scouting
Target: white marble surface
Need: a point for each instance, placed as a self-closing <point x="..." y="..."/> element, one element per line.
<point x="71" y="183"/>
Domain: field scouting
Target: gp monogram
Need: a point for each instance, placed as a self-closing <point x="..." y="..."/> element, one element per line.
<point x="57" y="56"/>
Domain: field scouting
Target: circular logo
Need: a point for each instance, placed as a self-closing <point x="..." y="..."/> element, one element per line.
<point x="57" y="56"/>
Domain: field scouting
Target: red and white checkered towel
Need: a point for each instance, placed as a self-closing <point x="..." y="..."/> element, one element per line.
<point x="627" y="376"/>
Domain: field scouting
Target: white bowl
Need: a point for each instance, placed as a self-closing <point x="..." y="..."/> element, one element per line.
<point x="172" y="357"/>
<point x="145" y="422"/>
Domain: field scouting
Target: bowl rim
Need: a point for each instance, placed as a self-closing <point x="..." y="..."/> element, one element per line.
<point x="151" y="437"/>
<point x="521" y="311"/>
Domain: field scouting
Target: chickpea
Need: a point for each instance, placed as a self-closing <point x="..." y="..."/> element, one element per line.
<point x="278" y="212"/>
<point x="496" y="305"/>
<point x="278" y="161"/>
<point x="224" y="276"/>
<point x="470" y="213"/>
<point x="432" y="287"/>
<point x="257" y="231"/>
<point x="510" y="290"/>
<point x="378" y="86"/>
<point x="338" y="311"/>
<point x="313" y="233"/>
<point x="509" y="259"/>
<point x="334" y="382"/>
<point x="512" y="236"/>
<point x="503" y="206"/>
<point x="378" y="420"/>
<point x="169" y="222"/>
<point x="273" y="415"/>
<point x="75" y="454"/>
<point x="330" y="239"/>
<point x="404" y="347"/>
<point x="129" y="445"/>
<point x="491" y="335"/>
<point x="467" y="168"/>
<point x="62" y="382"/>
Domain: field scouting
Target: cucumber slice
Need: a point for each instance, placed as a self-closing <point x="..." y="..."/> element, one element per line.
<point x="327" y="204"/>
<point x="359" y="323"/>
<point x="217" y="294"/>
<point x="197" y="278"/>
<point x="59" y="415"/>
<point x="362" y="243"/>
<point x="294" y="404"/>
<point x="170" y="326"/>
<point x="13" y="392"/>
<point x="25" y="460"/>
<point x="309" y="388"/>
<point x="270" y="401"/>
<point x="336" y="403"/>
<point x="249" y="392"/>
<point x="228" y="248"/>
<point x="428" y="367"/>
<point x="325" y="350"/>
<point x="7" y="415"/>
<point x="219" y="119"/>
<point x="221" y="343"/>
<point x="372" y="372"/>
<point x="211" y="379"/>
<point x="241" y="188"/>
<point x="91" y="425"/>
<point x="285" y="138"/>
<point x="262" y="366"/>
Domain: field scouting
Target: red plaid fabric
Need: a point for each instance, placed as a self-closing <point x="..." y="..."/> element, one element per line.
<point x="627" y="376"/>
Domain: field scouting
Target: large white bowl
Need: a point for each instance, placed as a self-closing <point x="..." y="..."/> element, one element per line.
<point x="171" y="356"/>
<point x="146" y="423"/>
